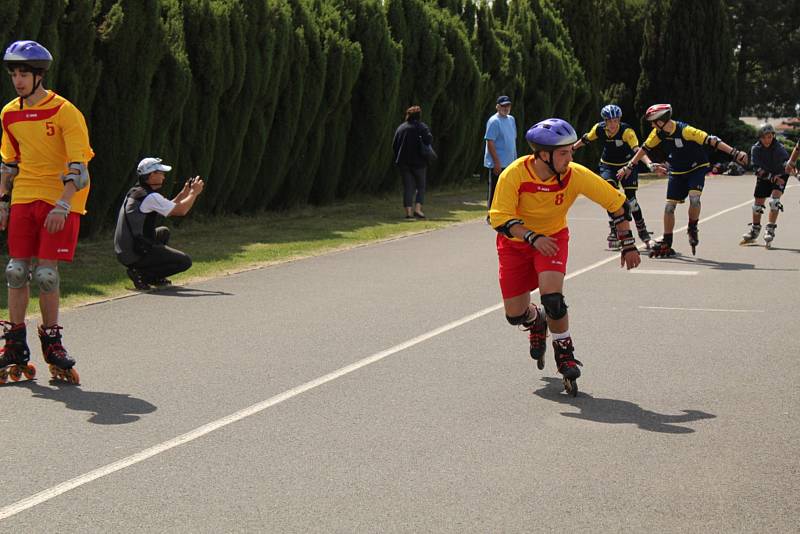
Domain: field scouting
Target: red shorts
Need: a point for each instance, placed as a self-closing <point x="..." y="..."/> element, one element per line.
<point x="27" y="236"/>
<point x="520" y="263"/>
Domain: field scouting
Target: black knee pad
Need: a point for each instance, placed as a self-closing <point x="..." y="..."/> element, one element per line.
<point x="518" y="320"/>
<point x="554" y="305"/>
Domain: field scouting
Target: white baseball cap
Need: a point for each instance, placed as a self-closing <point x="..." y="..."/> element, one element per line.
<point x="148" y="165"/>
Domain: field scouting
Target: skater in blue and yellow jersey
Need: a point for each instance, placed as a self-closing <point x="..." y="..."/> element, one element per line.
<point x="43" y="189"/>
<point x="619" y="145"/>
<point x="687" y="165"/>
<point x="529" y="212"/>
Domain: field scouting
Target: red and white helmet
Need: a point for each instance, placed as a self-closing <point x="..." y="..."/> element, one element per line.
<point x="658" y="112"/>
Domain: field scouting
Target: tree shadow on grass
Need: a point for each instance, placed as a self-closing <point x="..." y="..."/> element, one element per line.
<point x="617" y="412"/>
<point x="106" y="408"/>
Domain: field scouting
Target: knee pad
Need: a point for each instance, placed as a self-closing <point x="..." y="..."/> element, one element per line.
<point x="633" y="204"/>
<point x="518" y="319"/>
<point x="17" y="273"/>
<point x="775" y="204"/>
<point x="554" y="305"/>
<point x="694" y="201"/>
<point x="47" y="278"/>
<point x="670" y="207"/>
<point x="759" y="209"/>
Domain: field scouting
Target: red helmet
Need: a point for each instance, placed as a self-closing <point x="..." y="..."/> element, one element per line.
<point x="658" y="111"/>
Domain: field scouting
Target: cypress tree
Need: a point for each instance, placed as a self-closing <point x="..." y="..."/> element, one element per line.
<point x="130" y="47"/>
<point x="374" y="99"/>
<point x="270" y="52"/>
<point x="78" y="68"/>
<point x="692" y="76"/>
<point x="344" y="59"/>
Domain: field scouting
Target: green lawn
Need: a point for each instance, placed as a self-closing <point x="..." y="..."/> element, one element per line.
<point x="223" y="245"/>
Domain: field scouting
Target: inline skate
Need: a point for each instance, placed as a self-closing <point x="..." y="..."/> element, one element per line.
<point x="694" y="237"/>
<point x="769" y="234"/>
<point x="751" y="235"/>
<point x="567" y="365"/>
<point x="14" y="356"/>
<point x="537" y="334"/>
<point x="644" y="235"/>
<point x="61" y="365"/>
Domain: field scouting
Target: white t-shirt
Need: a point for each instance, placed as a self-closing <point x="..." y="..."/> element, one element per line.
<point x="158" y="203"/>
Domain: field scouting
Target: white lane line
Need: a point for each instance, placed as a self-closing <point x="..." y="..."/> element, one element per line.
<point x="55" y="491"/>
<point x="672" y="273"/>
<point x="700" y="309"/>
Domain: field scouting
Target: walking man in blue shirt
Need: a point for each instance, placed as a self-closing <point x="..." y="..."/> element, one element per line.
<point x="501" y="143"/>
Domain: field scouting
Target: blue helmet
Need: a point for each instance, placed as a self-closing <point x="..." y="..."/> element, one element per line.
<point x="551" y="133"/>
<point x="29" y="54"/>
<point x="611" y="111"/>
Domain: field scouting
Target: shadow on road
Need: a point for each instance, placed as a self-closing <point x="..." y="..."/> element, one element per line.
<point x="108" y="408"/>
<point x="719" y="265"/>
<point x="178" y="291"/>
<point x="614" y="411"/>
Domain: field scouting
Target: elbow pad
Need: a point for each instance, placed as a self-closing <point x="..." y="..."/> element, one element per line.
<point x="585" y="139"/>
<point x="78" y="174"/>
<point x="10" y="169"/>
<point x="506" y="228"/>
<point x="713" y="141"/>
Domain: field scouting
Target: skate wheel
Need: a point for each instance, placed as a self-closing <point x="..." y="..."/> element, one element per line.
<point x="540" y="363"/>
<point x="15" y="373"/>
<point x="571" y="386"/>
<point x="29" y="371"/>
<point x="72" y="376"/>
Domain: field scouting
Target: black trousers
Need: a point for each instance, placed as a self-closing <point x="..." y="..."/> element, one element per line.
<point x="162" y="261"/>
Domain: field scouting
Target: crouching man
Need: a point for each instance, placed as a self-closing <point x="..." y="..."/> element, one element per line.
<point x="138" y="243"/>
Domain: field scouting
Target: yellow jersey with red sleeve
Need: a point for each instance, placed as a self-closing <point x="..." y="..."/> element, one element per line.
<point x="543" y="205"/>
<point x="44" y="139"/>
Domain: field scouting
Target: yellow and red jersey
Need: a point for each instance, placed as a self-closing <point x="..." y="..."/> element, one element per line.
<point x="44" y="139"/>
<point x="543" y="205"/>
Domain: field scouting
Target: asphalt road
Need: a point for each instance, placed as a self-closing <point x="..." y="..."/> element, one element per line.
<point x="380" y="389"/>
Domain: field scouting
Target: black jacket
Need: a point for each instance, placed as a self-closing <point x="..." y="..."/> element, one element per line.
<point x="406" y="144"/>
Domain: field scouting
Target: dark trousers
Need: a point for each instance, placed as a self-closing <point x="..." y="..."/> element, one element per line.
<point x="413" y="184"/>
<point x="162" y="261"/>
<point x="492" y="186"/>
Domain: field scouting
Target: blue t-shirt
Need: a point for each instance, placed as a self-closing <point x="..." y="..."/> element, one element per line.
<point x="503" y="131"/>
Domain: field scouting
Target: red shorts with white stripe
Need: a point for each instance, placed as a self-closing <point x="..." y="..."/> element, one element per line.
<point x="27" y="236"/>
<point x="520" y="264"/>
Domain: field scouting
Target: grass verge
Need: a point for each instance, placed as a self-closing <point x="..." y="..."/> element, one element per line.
<point x="225" y="245"/>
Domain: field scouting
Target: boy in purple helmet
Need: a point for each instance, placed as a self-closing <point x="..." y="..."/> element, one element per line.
<point x="45" y="153"/>
<point x="529" y="212"/>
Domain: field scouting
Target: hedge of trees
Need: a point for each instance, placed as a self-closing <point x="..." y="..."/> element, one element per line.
<point x="286" y="102"/>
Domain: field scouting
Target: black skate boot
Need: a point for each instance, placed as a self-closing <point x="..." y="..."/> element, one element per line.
<point x="644" y="235"/>
<point x="537" y="334"/>
<point x="161" y="283"/>
<point x="61" y="365"/>
<point x="137" y="279"/>
<point x="14" y="356"/>
<point x="567" y="365"/>
<point x="663" y="248"/>
<point x="694" y="237"/>
<point x="751" y="235"/>
<point x="769" y="234"/>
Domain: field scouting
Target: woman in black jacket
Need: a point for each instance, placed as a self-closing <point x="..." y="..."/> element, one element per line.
<point x="411" y="161"/>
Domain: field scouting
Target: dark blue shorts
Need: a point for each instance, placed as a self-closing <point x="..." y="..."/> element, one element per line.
<point x="609" y="174"/>
<point x="679" y="185"/>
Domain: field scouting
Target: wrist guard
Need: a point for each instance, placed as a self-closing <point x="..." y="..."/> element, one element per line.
<point x="627" y="242"/>
<point x="530" y="237"/>
<point x="506" y="228"/>
<point x="61" y="208"/>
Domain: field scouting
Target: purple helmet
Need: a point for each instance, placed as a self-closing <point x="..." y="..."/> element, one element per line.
<point x="551" y="133"/>
<point x="27" y="53"/>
